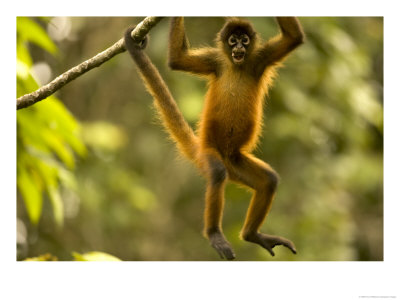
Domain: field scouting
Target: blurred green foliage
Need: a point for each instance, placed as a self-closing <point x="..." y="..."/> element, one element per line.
<point x="135" y="198"/>
<point x="47" y="134"/>
<point x="90" y="256"/>
<point x="94" y="256"/>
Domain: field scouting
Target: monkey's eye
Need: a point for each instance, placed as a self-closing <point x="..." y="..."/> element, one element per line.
<point x="232" y="40"/>
<point x="245" y="40"/>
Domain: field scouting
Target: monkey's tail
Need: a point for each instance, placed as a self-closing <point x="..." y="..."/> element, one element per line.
<point x="173" y="120"/>
<point x="180" y="131"/>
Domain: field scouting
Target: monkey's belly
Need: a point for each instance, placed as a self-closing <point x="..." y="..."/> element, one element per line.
<point x="231" y="119"/>
<point x="228" y="136"/>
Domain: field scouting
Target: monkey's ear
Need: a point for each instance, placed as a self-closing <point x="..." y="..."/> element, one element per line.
<point x="130" y="43"/>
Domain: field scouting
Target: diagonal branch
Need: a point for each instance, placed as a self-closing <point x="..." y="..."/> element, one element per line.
<point x="45" y="91"/>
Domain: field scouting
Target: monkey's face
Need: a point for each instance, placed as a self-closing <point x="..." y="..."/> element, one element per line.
<point x="238" y="43"/>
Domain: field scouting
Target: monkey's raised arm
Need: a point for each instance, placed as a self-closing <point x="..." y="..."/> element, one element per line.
<point x="181" y="57"/>
<point x="278" y="47"/>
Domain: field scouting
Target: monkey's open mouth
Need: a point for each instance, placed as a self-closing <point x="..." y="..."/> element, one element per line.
<point x="238" y="57"/>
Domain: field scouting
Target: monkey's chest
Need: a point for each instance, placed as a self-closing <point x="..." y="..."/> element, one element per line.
<point x="232" y="115"/>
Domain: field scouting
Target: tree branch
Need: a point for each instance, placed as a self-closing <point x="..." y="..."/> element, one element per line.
<point x="45" y="91"/>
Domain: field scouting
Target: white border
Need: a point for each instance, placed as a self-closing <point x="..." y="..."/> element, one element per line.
<point x="200" y="280"/>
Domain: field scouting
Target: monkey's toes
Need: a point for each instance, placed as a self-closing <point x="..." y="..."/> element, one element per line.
<point x="222" y="246"/>
<point x="224" y="251"/>
<point x="270" y="241"/>
<point x="128" y="40"/>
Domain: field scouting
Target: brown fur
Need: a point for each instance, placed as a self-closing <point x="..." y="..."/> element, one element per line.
<point x="231" y="121"/>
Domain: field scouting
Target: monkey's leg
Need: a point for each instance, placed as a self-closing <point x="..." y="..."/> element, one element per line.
<point x="258" y="175"/>
<point x="214" y="205"/>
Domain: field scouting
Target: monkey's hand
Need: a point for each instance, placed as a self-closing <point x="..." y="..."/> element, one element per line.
<point x="131" y="44"/>
<point x="219" y="243"/>
<point x="270" y="241"/>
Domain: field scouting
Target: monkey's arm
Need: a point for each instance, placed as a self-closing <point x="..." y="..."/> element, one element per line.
<point x="278" y="47"/>
<point x="181" y="57"/>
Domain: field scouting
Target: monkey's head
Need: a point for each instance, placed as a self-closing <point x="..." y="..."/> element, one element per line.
<point x="237" y="39"/>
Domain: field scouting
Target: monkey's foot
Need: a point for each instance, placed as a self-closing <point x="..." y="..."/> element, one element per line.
<point x="219" y="243"/>
<point x="270" y="241"/>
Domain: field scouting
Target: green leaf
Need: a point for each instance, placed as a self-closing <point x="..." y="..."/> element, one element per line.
<point x="31" y="190"/>
<point x="23" y="55"/>
<point x="53" y="140"/>
<point x="30" y="137"/>
<point x="43" y="257"/>
<point x="94" y="256"/>
<point x="57" y="204"/>
<point x="28" y="30"/>
<point x="22" y="70"/>
<point x="25" y="82"/>
<point x="45" y="132"/>
<point x="64" y="123"/>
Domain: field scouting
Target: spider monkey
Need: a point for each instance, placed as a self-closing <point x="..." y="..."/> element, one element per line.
<point x="239" y="71"/>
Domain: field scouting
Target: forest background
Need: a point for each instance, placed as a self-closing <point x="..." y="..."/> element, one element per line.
<point x="96" y="172"/>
